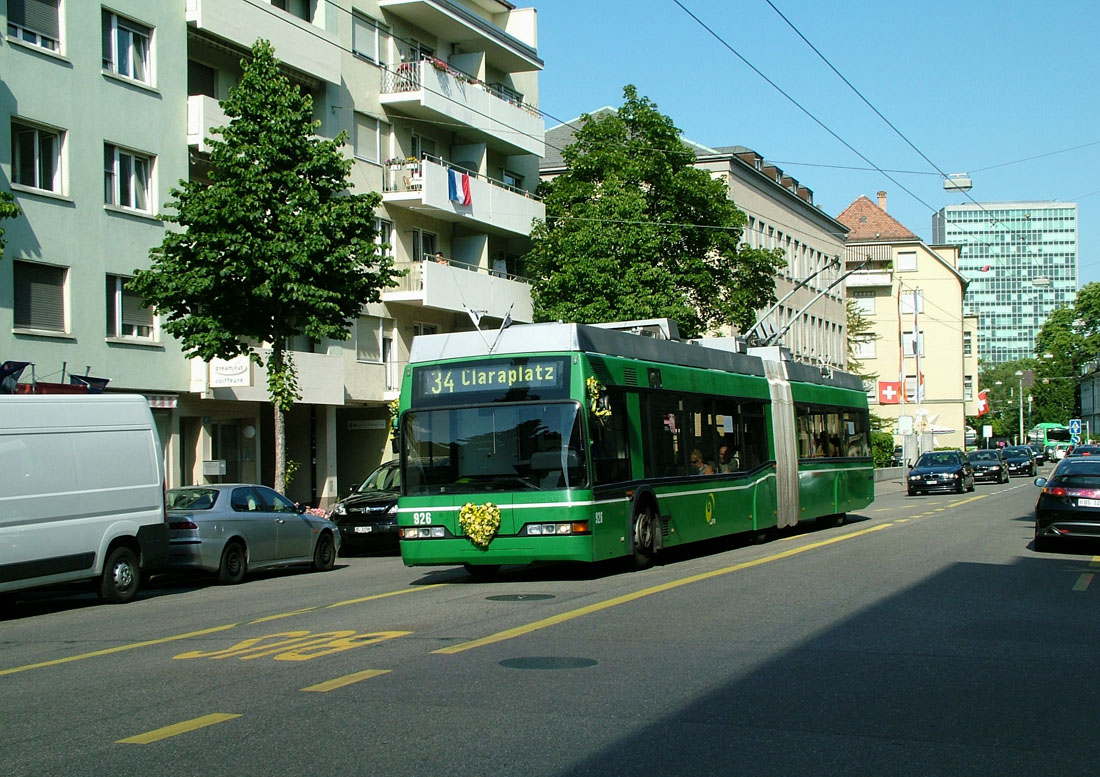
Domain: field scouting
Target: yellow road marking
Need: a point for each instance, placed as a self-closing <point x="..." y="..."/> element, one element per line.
<point x="178" y="728"/>
<point x="1083" y="581"/>
<point x="383" y="596"/>
<point x="282" y="615"/>
<point x="119" y="649"/>
<point x="340" y="682"/>
<point x="1095" y="561"/>
<point x="607" y="604"/>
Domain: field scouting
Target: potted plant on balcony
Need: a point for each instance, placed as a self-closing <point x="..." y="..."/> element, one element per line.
<point x="412" y="163"/>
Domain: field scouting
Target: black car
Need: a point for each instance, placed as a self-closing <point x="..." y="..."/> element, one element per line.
<point x="1020" y="460"/>
<point x="897" y="459"/>
<point x="367" y="517"/>
<point x="941" y="471"/>
<point x="1069" y="504"/>
<point x="989" y="465"/>
<point x="1040" y="452"/>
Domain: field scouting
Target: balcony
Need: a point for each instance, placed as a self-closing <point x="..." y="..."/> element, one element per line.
<point x="203" y="112"/>
<point x="458" y="288"/>
<point x="865" y="280"/>
<point x="448" y="20"/>
<point x="320" y="378"/>
<point x="300" y="45"/>
<point x="494" y="206"/>
<point x="434" y="91"/>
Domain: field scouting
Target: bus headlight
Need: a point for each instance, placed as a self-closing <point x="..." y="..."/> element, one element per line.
<point x="554" y="529"/>
<point x="422" y="532"/>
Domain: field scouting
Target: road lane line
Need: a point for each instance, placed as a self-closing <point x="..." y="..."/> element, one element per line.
<point x="1095" y="561"/>
<point x="178" y="728"/>
<point x="609" y="603"/>
<point x="340" y="682"/>
<point x="118" y="649"/>
<point x="282" y="615"/>
<point x="1083" y="581"/>
<point x="383" y="596"/>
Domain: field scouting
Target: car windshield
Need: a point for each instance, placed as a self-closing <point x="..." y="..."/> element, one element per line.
<point x="385" y="478"/>
<point x="504" y="447"/>
<point x="190" y="498"/>
<point x="1077" y="473"/>
<point x="1017" y="453"/>
<point x="984" y="456"/>
<point x="938" y="460"/>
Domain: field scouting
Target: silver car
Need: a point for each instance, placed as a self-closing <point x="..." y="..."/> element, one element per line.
<point x="233" y="528"/>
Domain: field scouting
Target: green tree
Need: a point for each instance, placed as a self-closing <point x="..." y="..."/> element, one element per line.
<point x="1002" y="386"/>
<point x="633" y="230"/>
<point x="271" y="246"/>
<point x="1068" y="339"/>
<point x="8" y="210"/>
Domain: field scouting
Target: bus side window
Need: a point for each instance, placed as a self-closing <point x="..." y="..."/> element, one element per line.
<point x="610" y="449"/>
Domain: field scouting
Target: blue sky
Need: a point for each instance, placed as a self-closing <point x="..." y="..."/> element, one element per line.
<point x="977" y="87"/>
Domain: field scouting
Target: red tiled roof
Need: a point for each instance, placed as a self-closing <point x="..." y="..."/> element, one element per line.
<point x="867" y="221"/>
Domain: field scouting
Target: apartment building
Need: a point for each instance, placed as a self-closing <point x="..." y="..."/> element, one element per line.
<point x="431" y="93"/>
<point x="925" y="350"/>
<point x="809" y="319"/>
<point x="1022" y="261"/>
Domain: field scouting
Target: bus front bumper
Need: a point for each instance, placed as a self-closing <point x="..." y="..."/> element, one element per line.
<point x="502" y="550"/>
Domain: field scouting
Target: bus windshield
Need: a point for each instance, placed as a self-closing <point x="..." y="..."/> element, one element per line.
<point x="1058" y="435"/>
<point x="533" y="446"/>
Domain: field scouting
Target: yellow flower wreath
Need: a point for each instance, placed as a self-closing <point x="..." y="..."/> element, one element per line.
<point x="480" y="522"/>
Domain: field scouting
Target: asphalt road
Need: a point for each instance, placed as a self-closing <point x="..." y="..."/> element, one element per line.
<point x="925" y="637"/>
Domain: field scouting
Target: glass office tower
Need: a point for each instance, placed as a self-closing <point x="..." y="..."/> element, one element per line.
<point x="1021" y="259"/>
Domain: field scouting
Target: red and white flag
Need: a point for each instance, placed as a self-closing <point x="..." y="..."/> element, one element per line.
<point x="889" y="393"/>
<point x="983" y="403"/>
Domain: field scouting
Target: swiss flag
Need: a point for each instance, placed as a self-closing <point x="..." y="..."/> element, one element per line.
<point x="983" y="403"/>
<point x="889" y="393"/>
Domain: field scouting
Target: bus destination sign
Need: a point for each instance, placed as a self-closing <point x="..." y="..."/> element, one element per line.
<point x="496" y="380"/>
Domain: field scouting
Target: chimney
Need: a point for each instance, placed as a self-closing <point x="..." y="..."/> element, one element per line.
<point x="882" y="200"/>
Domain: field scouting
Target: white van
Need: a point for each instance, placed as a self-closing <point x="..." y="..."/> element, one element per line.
<point x="81" y="492"/>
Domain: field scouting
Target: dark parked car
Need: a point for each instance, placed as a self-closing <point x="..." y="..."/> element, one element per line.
<point x="941" y="471"/>
<point x="898" y="458"/>
<point x="1020" y="460"/>
<point x="1083" y="450"/>
<point x="1040" y="452"/>
<point x="1069" y="504"/>
<point x="367" y="517"/>
<point x="989" y="465"/>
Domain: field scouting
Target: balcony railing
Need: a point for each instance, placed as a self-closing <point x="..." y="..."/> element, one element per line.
<point x="406" y="78"/>
<point x="413" y="280"/>
<point x="408" y="176"/>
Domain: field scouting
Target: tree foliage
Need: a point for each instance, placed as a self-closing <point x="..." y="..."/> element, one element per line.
<point x="633" y="230"/>
<point x="1071" y="337"/>
<point x="8" y="210"/>
<point x="271" y="246"/>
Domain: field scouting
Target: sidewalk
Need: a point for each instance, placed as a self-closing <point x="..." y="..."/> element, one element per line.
<point x="889" y="480"/>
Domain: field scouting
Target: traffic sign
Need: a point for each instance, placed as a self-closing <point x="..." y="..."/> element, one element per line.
<point x="1075" y="426"/>
<point x="1075" y="439"/>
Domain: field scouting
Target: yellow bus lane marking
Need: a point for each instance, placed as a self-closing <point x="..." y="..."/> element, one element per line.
<point x="118" y="649"/>
<point x="554" y="620"/>
<point x="349" y="679"/>
<point x="1083" y="581"/>
<point x="204" y="632"/>
<point x="296" y="645"/>
<point x="178" y="728"/>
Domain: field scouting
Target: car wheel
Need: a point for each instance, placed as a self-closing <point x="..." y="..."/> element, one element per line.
<point x="912" y="492"/>
<point x="324" y="555"/>
<point x="971" y="486"/>
<point x="234" y="564"/>
<point x="961" y="487"/>
<point x="121" y="576"/>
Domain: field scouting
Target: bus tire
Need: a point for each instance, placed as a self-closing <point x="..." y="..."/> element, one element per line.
<point x="642" y="528"/>
<point x="831" y="521"/>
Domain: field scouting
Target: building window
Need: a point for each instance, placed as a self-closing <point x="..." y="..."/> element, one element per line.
<point x="908" y="348"/>
<point x="36" y="22"/>
<point x="35" y="156"/>
<point x="382" y="237"/>
<point x="424" y="245"/>
<point x="371" y="136"/>
<point x="864" y="301"/>
<point x="126" y="316"/>
<point x="126" y="49"/>
<point x="968" y="343"/>
<point x="968" y="387"/>
<point x="907" y="261"/>
<point x="201" y="79"/>
<point x="369" y="334"/>
<point x="126" y="178"/>
<point x="39" y="296"/>
<point x="420" y="328"/>
<point x="368" y="38"/>
<point x="863" y="348"/>
<point x="512" y="179"/>
<point x="299" y="8"/>
<point x="912" y="302"/>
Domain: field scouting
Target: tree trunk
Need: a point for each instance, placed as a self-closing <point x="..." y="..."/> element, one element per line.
<point x="280" y="449"/>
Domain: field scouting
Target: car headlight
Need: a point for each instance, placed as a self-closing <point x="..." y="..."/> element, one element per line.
<point x="914" y="477"/>
<point x="339" y="509"/>
<point x="392" y="509"/>
<point x="995" y="468"/>
<point x="955" y="475"/>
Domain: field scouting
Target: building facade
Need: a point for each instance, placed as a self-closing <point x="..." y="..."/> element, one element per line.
<point x="810" y="314"/>
<point x="1021" y="259"/>
<point x="924" y="353"/>
<point x="428" y="92"/>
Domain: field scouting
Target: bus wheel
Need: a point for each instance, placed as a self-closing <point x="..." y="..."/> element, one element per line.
<point x="641" y="538"/>
<point x="482" y="571"/>
<point x="836" y="519"/>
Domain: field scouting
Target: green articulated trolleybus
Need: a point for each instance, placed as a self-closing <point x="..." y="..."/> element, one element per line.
<point x="579" y="443"/>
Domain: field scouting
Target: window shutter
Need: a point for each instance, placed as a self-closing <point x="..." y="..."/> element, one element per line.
<point x="108" y="49"/>
<point x="37" y="15"/>
<point x="39" y="296"/>
<point x="133" y="312"/>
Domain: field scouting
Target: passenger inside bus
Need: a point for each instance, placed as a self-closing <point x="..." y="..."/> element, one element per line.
<point x="698" y="465"/>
